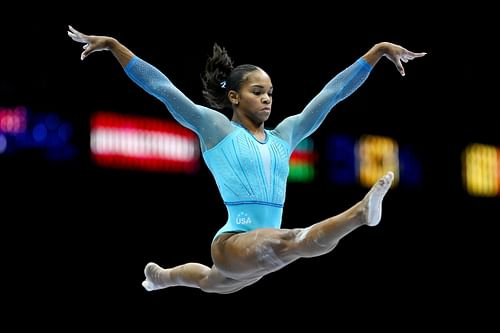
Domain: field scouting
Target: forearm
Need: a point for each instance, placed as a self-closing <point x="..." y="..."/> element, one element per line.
<point x="119" y="51"/>
<point x="295" y="128"/>
<point x="335" y="91"/>
<point x="375" y="53"/>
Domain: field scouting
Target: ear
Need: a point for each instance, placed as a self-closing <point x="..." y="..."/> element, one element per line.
<point x="234" y="97"/>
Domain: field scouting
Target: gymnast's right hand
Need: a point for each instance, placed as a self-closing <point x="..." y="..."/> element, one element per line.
<point x="92" y="43"/>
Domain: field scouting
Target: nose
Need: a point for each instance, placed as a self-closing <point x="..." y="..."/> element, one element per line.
<point x="266" y="99"/>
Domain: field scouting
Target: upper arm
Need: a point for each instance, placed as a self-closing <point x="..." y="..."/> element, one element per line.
<point x="210" y="125"/>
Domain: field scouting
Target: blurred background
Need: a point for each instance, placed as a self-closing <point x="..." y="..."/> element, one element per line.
<point x="98" y="179"/>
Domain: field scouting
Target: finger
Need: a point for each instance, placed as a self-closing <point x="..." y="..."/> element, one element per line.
<point x="416" y="54"/>
<point x="72" y="31"/>
<point x="75" y="37"/>
<point x="75" y="32"/>
<point x="400" y="68"/>
<point x="72" y="35"/>
<point x="87" y="52"/>
<point x="407" y="56"/>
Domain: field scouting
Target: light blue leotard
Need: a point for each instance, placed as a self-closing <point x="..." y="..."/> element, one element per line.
<point x="251" y="175"/>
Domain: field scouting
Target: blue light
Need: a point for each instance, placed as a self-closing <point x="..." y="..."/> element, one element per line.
<point x="342" y="160"/>
<point x="39" y="132"/>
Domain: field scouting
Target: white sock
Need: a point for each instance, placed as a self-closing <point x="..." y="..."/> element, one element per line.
<point x="375" y="197"/>
<point x="156" y="277"/>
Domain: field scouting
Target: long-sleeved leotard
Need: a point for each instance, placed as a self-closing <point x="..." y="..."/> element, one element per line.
<point x="251" y="175"/>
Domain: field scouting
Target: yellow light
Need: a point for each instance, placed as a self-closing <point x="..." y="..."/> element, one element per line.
<point x="376" y="155"/>
<point x="480" y="170"/>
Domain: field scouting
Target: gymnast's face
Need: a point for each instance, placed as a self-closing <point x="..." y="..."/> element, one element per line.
<point x="255" y="97"/>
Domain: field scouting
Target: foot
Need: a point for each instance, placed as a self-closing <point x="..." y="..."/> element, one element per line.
<point x="156" y="277"/>
<point x="375" y="196"/>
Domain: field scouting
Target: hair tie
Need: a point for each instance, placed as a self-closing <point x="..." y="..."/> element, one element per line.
<point x="223" y="84"/>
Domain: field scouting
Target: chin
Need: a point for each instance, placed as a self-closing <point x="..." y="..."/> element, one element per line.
<point x="265" y="115"/>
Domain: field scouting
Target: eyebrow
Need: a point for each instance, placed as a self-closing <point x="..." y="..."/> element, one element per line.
<point x="259" y="86"/>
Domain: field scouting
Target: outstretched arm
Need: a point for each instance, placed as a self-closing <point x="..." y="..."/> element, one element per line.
<point x="187" y="113"/>
<point x="297" y="127"/>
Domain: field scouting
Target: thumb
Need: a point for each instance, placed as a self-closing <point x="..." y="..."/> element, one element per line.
<point x="84" y="55"/>
<point x="86" y="51"/>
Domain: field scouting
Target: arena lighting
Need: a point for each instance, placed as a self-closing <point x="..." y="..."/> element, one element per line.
<point x="481" y="170"/>
<point x="135" y="142"/>
<point x="365" y="159"/>
<point x="13" y="120"/>
<point x="35" y="134"/>
<point x="376" y="155"/>
<point x="302" y="168"/>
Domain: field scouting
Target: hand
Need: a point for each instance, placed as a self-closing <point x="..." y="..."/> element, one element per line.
<point x="396" y="54"/>
<point x="92" y="43"/>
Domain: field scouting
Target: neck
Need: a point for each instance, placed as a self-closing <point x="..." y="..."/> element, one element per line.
<point x="257" y="130"/>
<point x="251" y="126"/>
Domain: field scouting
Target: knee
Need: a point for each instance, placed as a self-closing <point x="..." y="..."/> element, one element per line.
<point x="312" y="244"/>
<point x="209" y="287"/>
<point x="223" y="286"/>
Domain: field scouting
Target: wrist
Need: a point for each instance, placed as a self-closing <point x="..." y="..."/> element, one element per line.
<point x="376" y="52"/>
<point x="381" y="49"/>
<point x="110" y="43"/>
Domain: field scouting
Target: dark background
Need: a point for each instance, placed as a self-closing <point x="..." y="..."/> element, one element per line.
<point x="79" y="236"/>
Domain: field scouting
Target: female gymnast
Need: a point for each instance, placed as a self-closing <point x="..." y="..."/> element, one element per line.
<point x="250" y="163"/>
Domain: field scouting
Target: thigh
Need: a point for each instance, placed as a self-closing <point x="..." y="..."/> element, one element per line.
<point x="253" y="254"/>
<point x="218" y="283"/>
